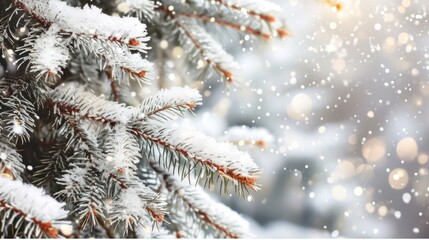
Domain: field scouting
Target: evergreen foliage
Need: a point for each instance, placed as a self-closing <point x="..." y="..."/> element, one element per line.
<point x="79" y="156"/>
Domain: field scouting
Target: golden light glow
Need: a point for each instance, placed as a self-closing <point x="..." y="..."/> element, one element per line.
<point x="358" y="191"/>
<point x="407" y="149"/>
<point x="339" y="192"/>
<point x="177" y="52"/>
<point x="382" y="211"/>
<point x="345" y="169"/>
<point x="398" y="178"/>
<point x="300" y="106"/>
<point x="423" y="158"/>
<point x="374" y="149"/>
<point x="403" y="38"/>
<point x="370" y="208"/>
<point x="66" y="230"/>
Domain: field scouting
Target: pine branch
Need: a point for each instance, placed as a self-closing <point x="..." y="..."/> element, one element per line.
<point x="18" y="117"/>
<point x="73" y="183"/>
<point x="84" y="105"/>
<point x="90" y="208"/>
<point x="98" y="162"/>
<point x="82" y="184"/>
<point x="88" y="22"/>
<point x="121" y="157"/>
<point x="213" y="158"/>
<point x="54" y="162"/>
<point x="48" y="53"/>
<point x="249" y="30"/>
<point x="223" y="158"/>
<point x="23" y="88"/>
<point x="85" y="69"/>
<point x="110" y="41"/>
<point x="174" y="101"/>
<point x="10" y="160"/>
<point x="203" y="49"/>
<point x="7" y="36"/>
<point x="202" y="210"/>
<point x="136" y="206"/>
<point x="30" y="210"/>
<point x="142" y="9"/>
<point x="229" y="17"/>
<point x="122" y="63"/>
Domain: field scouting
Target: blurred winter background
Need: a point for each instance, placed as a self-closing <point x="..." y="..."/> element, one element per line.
<point x="345" y="99"/>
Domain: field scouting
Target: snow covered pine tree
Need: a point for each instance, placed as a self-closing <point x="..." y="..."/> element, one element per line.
<point x="97" y="159"/>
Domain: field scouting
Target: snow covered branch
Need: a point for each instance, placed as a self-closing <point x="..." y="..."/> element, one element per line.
<point x="47" y="54"/>
<point x="123" y="152"/>
<point x="202" y="209"/>
<point x="221" y="158"/>
<point x="19" y="116"/>
<point x="203" y="49"/>
<point x="115" y="164"/>
<point x="170" y="101"/>
<point x="88" y="22"/>
<point x="32" y="209"/>
<point x="221" y="218"/>
<point x="84" y="184"/>
<point x="139" y="8"/>
<point x="109" y="38"/>
<point x="191" y="17"/>
<point x="10" y="160"/>
<point x="84" y="105"/>
<point x="123" y="63"/>
<point x="69" y="104"/>
<point x="136" y="206"/>
<point x="200" y="150"/>
<point x="251" y="17"/>
<point x="55" y="160"/>
<point x="91" y="209"/>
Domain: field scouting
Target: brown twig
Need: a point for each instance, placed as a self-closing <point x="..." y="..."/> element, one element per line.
<point x="226" y="73"/>
<point x="46" y="227"/>
<point x="222" y="170"/>
<point x="208" y="19"/>
<point x="107" y="229"/>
